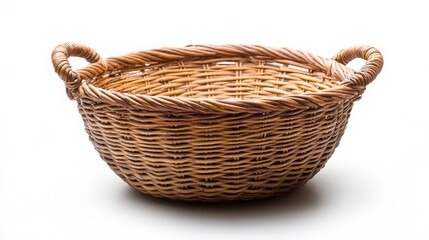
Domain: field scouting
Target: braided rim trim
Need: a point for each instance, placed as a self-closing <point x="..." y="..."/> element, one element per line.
<point x="331" y="96"/>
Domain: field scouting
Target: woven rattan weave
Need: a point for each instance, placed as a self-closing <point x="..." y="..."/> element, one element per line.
<point x="216" y="123"/>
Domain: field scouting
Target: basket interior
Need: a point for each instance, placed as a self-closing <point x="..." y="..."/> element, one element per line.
<point x="219" y="78"/>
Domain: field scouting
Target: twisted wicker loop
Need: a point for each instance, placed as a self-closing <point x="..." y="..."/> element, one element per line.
<point x="372" y="67"/>
<point x="62" y="66"/>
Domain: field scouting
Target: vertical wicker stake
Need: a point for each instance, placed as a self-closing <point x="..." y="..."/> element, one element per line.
<point x="216" y="123"/>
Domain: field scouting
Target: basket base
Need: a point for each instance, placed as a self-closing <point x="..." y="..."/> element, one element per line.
<point x="210" y="196"/>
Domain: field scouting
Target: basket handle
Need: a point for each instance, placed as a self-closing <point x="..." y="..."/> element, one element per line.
<point x="60" y="56"/>
<point x="372" y="67"/>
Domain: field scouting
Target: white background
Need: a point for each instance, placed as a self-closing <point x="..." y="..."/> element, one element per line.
<point x="53" y="185"/>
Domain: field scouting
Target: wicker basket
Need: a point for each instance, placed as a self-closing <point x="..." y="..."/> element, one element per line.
<point x="215" y="123"/>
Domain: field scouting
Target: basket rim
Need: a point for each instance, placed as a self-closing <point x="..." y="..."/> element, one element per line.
<point x="234" y="105"/>
<point x="334" y="95"/>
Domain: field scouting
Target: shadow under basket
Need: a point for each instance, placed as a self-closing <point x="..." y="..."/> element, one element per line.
<point x="216" y="123"/>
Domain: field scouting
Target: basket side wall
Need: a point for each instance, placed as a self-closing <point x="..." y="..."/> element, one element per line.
<point x="214" y="157"/>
